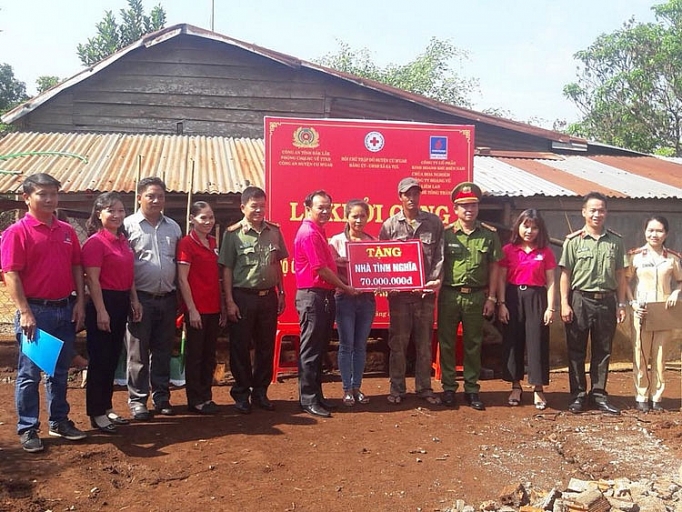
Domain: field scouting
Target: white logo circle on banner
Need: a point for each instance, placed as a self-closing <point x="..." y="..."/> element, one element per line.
<point x="374" y="141"/>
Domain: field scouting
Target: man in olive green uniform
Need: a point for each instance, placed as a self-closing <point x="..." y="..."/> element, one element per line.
<point x="469" y="292"/>
<point x="593" y="288"/>
<point x="252" y="280"/>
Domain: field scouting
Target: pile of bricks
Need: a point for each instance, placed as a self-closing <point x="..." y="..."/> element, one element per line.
<point x="621" y="494"/>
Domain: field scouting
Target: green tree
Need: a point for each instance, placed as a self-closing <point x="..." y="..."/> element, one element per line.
<point x="629" y="86"/>
<point x="429" y="74"/>
<point x="112" y="35"/>
<point x="45" y="82"/>
<point x="12" y="91"/>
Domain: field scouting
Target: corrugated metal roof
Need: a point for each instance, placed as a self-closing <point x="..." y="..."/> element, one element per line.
<point x="497" y="177"/>
<point x="657" y="169"/>
<point x="227" y="165"/>
<point x="165" y="34"/>
<point x="623" y="176"/>
<point x="618" y="179"/>
<point x="113" y="161"/>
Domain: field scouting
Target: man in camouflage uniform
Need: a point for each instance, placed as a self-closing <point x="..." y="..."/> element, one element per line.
<point x="469" y="292"/>
<point x="593" y="287"/>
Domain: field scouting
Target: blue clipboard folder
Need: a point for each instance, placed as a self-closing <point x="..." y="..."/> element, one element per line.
<point x="43" y="350"/>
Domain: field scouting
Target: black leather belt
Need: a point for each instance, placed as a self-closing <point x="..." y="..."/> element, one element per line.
<point x="57" y="303"/>
<point x="467" y="289"/>
<point x="596" y="295"/>
<point x="321" y="291"/>
<point x="523" y="287"/>
<point x="255" y="291"/>
<point x="155" y="295"/>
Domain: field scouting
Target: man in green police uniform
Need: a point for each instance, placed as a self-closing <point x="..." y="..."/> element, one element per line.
<point x="472" y="250"/>
<point x="593" y="264"/>
<point x="250" y="254"/>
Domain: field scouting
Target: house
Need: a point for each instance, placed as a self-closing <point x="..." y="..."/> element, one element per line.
<point x="188" y="104"/>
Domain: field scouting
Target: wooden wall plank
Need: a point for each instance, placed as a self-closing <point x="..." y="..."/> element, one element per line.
<point x="201" y="101"/>
<point x="219" y="89"/>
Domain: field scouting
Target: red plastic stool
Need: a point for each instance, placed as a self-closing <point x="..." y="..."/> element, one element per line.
<point x="435" y="350"/>
<point x="277" y="366"/>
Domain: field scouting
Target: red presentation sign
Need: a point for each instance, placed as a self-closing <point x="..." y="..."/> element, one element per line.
<point x="385" y="265"/>
<point x="359" y="160"/>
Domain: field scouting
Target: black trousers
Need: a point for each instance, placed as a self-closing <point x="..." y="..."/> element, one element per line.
<point x="200" y="359"/>
<point x="104" y="349"/>
<point x="257" y="326"/>
<point x="526" y="334"/>
<point x="316" y="310"/>
<point x="595" y="319"/>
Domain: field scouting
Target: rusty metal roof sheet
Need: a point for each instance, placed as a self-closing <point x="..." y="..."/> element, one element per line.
<point x="499" y="177"/>
<point x="222" y="165"/>
<point x="614" y="176"/>
<point x="112" y="162"/>
<point x="619" y="176"/>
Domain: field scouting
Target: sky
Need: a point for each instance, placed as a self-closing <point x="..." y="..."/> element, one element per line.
<point x="521" y="51"/>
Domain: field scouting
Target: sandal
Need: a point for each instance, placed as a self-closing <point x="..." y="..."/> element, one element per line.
<point x="360" y="397"/>
<point x="348" y="399"/>
<point x="539" y="399"/>
<point x="394" y="399"/>
<point x="431" y="399"/>
<point x="515" y="396"/>
<point x="116" y="419"/>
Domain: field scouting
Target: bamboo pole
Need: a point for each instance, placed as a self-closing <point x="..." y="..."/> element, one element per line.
<point x="189" y="197"/>
<point x="138" y="177"/>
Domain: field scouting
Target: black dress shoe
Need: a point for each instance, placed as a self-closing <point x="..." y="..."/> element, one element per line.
<point x="262" y="402"/>
<point x="577" y="406"/>
<point x="164" y="408"/>
<point x="243" y="407"/>
<point x="605" y="406"/>
<point x="316" y="410"/>
<point x="657" y="407"/>
<point x="327" y="405"/>
<point x="474" y="401"/>
<point x="642" y="406"/>
<point x="449" y="399"/>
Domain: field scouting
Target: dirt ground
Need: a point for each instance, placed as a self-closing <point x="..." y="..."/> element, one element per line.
<point x="372" y="457"/>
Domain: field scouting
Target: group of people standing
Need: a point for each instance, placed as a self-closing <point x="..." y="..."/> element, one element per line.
<point x="472" y="278"/>
<point x="134" y="265"/>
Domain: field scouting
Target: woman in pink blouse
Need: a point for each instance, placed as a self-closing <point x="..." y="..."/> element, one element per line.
<point x="108" y="264"/>
<point x="527" y="275"/>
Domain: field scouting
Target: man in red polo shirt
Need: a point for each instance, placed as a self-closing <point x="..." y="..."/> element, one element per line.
<point x="316" y="279"/>
<point x="41" y="259"/>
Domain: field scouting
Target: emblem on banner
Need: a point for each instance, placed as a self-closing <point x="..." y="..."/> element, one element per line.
<point x="306" y="138"/>
<point x="438" y="147"/>
<point x="374" y="141"/>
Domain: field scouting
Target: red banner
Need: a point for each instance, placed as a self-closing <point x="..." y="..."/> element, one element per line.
<point x="359" y="160"/>
<point x="386" y="266"/>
